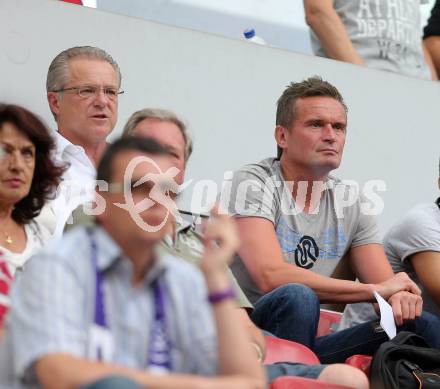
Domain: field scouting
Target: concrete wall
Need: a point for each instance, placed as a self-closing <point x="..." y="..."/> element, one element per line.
<point x="280" y="23"/>
<point x="227" y="89"/>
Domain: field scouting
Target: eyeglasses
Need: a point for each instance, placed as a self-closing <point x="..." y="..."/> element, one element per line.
<point x="135" y="187"/>
<point x="88" y="91"/>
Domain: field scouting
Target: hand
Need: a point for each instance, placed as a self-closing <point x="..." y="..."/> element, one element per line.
<point x="406" y="306"/>
<point x="221" y="242"/>
<point x="399" y="282"/>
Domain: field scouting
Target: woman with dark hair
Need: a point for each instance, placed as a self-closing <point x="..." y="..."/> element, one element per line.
<point x="28" y="177"/>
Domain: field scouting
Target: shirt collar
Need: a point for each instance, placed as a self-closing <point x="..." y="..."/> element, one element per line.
<point x="108" y="253"/>
<point x="330" y="180"/>
<point x="64" y="145"/>
<point x="108" y="250"/>
<point x="179" y="227"/>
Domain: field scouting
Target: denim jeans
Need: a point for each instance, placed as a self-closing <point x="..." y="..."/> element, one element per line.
<point x="283" y="369"/>
<point x="289" y="312"/>
<point x="292" y="312"/>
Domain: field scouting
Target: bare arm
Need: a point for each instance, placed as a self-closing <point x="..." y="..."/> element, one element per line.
<point x="63" y="371"/>
<point x="431" y="48"/>
<point x="328" y="27"/>
<point x="254" y="333"/>
<point x="371" y="265"/>
<point x="262" y="256"/>
<point x="236" y="355"/>
<point x="427" y="267"/>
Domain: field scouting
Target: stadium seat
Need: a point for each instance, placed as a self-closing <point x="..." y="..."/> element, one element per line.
<point x="79" y="2"/>
<point x="326" y="320"/>
<point x="5" y="283"/>
<point x="280" y="350"/>
<point x="362" y="362"/>
<point x="302" y="383"/>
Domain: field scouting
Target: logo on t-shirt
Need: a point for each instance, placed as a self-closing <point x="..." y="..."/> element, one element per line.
<point x="306" y="252"/>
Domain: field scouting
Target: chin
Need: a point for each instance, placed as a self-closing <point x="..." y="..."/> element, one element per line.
<point x="13" y="196"/>
<point x="151" y="238"/>
<point x="101" y="133"/>
<point x="327" y="167"/>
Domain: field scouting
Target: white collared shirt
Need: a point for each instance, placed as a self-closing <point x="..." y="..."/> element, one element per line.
<point x="76" y="188"/>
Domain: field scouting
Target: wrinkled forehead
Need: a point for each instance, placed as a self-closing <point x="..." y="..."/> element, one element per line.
<point x="319" y="106"/>
<point x="92" y="71"/>
<point x="128" y="165"/>
<point x="165" y="132"/>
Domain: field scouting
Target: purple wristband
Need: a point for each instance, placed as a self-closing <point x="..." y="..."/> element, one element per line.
<point x="217" y="297"/>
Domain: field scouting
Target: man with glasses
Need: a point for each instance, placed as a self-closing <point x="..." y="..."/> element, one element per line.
<point x="83" y="86"/>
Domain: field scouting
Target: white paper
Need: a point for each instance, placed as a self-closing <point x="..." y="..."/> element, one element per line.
<point x="386" y="316"/>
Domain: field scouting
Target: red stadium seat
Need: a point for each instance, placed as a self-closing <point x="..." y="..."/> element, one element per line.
<point x="280" y="350"/>
<point x="5" y="283"/>
<point x="362" y="362"/>
<point x="326" y="320"/>
<point x="79" y="2"/>
<point x="302" y="383"/>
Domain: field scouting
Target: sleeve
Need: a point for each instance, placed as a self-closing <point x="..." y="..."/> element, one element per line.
<point x="252" y="194"/>
<point x="240" y="298"/>
<point x="202" y="331"/>
<point x="367" y="229"/>
<point x="433" y="26"/>
<point x="414" y="234"/>
<point x="46" y="313"/>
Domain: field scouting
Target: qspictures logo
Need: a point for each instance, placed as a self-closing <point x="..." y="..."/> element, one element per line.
<point x="159" y="188"/>
<point x="160" y="193"/>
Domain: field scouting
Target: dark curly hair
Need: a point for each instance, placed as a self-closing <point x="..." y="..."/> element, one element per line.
<point x="47" y="174"/>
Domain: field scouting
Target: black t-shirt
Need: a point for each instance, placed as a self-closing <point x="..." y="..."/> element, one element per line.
<point x="433" y="26"/>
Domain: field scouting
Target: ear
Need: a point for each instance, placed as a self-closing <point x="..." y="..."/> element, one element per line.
<point x="281" y="137"/>
<point x="53" y="100"/>
<point x="100" y="205"/>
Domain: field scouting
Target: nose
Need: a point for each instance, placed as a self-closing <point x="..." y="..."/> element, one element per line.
<point x="16" y="161"/>
<point x="100" y="98"/>
<point x="328" y="133"/>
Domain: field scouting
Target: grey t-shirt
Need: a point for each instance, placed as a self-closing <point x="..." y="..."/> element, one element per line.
<point x="387" y="34"/>
<point x="418" y="231"/>
<point x="315" y="241"/>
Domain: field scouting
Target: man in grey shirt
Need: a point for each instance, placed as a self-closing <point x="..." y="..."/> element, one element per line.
<point x="297" y="222"/>
<point x="382" y="34"/>
<point x="185" y="242"/>
<point x="412" y="245"/>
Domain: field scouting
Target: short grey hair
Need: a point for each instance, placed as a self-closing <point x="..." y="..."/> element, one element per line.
<point x="162" y="115"/>
<point x="58" y="73"/>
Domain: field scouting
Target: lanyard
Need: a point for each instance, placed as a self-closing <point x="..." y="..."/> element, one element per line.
<point x="159" y="348"/>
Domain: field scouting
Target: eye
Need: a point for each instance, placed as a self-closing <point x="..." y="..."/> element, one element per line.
<point x="339" y="127"/>
<point x="315" y="124"/>
<point x="28" y="153"/>
<point x="86" y="91"/>
<point x="111" y="92"/>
